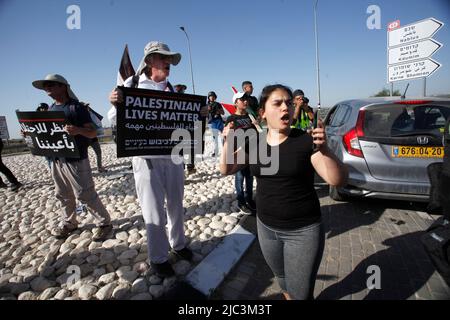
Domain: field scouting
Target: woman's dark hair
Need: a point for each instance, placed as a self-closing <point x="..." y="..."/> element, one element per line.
<point x="267" y="91"/>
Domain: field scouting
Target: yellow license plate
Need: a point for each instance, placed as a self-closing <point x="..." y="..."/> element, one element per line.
<point x="417" y="152"/>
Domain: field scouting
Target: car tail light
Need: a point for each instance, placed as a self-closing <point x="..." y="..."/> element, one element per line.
<point x="413" y="102"/>
<point x="350" y="139"/>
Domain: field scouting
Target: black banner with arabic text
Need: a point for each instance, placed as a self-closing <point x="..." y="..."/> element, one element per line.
<point x="45" y="134"/>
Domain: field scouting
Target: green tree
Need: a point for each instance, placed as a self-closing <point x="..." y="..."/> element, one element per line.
<point x="386" y="93"/>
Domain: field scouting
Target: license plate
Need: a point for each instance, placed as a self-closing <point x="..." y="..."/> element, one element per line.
<point x="417" y="152"/>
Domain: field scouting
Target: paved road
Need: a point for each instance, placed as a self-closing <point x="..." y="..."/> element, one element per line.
<point x="359" y="234"/>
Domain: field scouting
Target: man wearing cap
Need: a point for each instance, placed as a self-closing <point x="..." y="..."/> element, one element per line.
<point x="215" y="121"/>
<point x="241" y="120"/>
<point x="73" y="176"/>
<point x="158" y="178"/>
<point x="253" y="105"/>
<point x="303" y="114"/>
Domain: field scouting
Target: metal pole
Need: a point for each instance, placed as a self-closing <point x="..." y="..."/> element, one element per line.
<point x="392" y="89"/>
<point x="317" y="55"/>
<point x="190" y="58"/>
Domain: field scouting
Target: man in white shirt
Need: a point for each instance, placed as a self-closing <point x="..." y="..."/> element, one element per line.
<point x="157" y="177"/>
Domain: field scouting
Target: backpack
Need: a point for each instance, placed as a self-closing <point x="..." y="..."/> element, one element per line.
<point x="436" y="242"/>
<point x="95" y="117"/>
<point x="97" y="123"/>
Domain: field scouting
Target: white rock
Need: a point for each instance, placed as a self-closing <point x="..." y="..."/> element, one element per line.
<point x="87" y="291"/>
<point x="217" y="225"/>
<point x="84" y="243"/>
<point x="94" y="245"/>
<point x="62" y="294"/>
<point x="107" y="278"/>
<point x="111" y="243"/>
<point x="106" y="291"/>
<point x="204" y="237"/>
<point x="122" y="236"/>
<point x="203" y="222"/>
<point x="230" y="220"/>
<point x="49" y="293"/>
<point x="129" y="199"/>
<point x="66" y="247"/>
<point x="228" y="228"/>
<point x="133" y="238"/>
<point x="29" y="295"/>
<point x="195" y="233"/>
<point x="208" y="231"/>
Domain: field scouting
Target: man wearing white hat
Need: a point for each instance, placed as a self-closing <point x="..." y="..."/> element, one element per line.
<point x="158" y="177"/>
<point x="73" y="176"/>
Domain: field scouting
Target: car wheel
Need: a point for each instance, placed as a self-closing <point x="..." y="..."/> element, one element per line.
<point x="336" y="195"/>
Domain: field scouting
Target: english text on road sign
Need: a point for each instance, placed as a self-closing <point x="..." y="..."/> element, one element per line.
<point x="414" y="32"/>
<point x="414" y="51"/>
<point x="412" y="70"/>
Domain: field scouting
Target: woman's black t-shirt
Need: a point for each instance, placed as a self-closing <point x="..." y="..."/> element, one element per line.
<point x="287" y="199"/>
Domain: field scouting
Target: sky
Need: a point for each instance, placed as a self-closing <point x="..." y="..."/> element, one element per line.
<point x="266" y="42"/>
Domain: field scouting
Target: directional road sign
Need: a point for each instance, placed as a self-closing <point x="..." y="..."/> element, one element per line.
<point x="414" y="32"/>
<point x="414" y="51"/>
<point x="412" y="70"/>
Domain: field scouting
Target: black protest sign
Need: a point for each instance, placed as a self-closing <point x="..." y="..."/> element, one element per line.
<point x="45" y="133"/>
<point x="151" y="122"/>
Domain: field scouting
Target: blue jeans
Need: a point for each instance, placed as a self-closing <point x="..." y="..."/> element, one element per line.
<point x="239" y="184"/>
<point x="294" y="257"/>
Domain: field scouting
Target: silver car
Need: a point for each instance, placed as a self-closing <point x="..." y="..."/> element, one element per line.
<point x="387" y="144"/>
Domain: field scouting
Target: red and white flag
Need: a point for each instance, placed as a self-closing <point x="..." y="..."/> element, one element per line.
<point x="126" y="69"/>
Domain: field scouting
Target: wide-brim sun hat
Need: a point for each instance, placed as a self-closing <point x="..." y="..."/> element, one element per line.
<point x="39" y="84"/>
<point x="161" y="48"/>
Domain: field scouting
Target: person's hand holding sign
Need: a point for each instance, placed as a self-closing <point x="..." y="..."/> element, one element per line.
<point x="116" y="97"/>
<point x="71" y="129"/>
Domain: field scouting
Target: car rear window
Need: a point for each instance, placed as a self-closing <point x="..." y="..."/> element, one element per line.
<point x="395" y="120"/>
